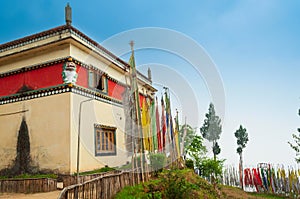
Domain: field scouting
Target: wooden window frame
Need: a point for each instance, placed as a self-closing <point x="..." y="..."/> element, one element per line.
<point x="94" y="78"/>
<point x="105" y="140"/>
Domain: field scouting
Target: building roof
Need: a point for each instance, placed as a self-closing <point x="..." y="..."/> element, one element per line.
<point x="50" y="32"/>
<point x="67" y="29"/>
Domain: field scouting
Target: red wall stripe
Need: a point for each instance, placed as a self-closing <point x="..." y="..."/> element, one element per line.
<point x="50" y="76"/>
<point x="115" y="90"/>
<point x="35" y="79"/>
<point x="82" y="79"/>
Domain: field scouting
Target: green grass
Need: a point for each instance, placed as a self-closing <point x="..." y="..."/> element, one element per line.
<point x="268" y="195"/>
<point x="126" y="166"/>
<point x="184" y="183"/>
<point x="96" y="171"/>
<point x="54" y="176"/>
<point x="131" y="192"/>
<point x="236" y="192"/>
<point x="171" y="184"/>
<point x="27" y="176"/>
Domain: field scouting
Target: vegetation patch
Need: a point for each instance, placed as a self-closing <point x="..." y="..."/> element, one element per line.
<point x="172" y="184"/>
<point x="28" y="176"/>
<point x="235" y="192"/>
<point x="96" y="171"/>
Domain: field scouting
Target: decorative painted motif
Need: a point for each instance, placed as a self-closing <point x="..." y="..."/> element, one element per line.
<point x="69" y="73"/>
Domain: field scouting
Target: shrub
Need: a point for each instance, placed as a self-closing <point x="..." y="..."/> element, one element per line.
<point x="157" y="162"/>
<point x="175" y="184"/>
<point x="211" y="169"/>
<point x="171" y="184"/>
<point x="189" y="164"/>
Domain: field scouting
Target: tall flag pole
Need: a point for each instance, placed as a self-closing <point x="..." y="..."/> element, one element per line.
<point x="153" y="125"/>
<point x="167" y="124"/>
<point x="170" y="133"/>
<point x="158" y="130"/>
<point x="146" y="126"/>
<point x="134" y="87"/>
<point x="183" y="138"/>
<point x="149" y="130"/>
<point x="172" y="138"/>
<point x="176" y="135"/>
<point x="163" y="124"/>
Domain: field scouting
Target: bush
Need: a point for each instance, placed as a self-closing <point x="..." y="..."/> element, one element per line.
<point x="175" y="184"/>
<point x="189" y="164"/>
<point x="157" y="162"/>
<point x="171" y="184"/>
<point x="211" y="169"/>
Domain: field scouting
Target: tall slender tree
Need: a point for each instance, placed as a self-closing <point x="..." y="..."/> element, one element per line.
<point x="242" y="139"/>
<point x="296" y="147"/>
<point x="211" y="129"/>
<point x="187" y="134"/>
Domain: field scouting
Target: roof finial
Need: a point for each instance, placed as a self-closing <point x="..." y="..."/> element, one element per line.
<point x="68" y="14"/>
<point x="149" y="74"/>
<point x="131" y="44"/>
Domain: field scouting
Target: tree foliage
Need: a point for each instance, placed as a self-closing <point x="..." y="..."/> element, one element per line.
<point x="296" y="147"/>
<point x="242" y="139"/>
<point x="188" y="137"/>
<point x="196" y="150"/>
<point x="212" y="128"/>
<point x="216" y="148"/>
<point x="189" y="164"/>
<point x="211" y="168"/>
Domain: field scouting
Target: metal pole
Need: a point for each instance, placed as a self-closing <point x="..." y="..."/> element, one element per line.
<point x="78" y="138"/>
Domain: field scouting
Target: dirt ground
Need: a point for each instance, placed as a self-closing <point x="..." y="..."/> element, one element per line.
<point x="236" y="193"/>
<point x="48" y="195"/>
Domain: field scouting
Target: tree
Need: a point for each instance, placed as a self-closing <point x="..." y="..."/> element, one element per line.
<point x="297" y="146"/>
<point x="242" y="139"/>
<point x="211" y="169"/>
<point x="216" y="149"/>
<point x="196" y="150"/>
<point x="211" y="129"/>
<point x="187" y="134"/>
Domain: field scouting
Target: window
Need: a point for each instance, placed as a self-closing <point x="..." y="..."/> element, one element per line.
<point x="97" y="80"/>
<point x="105" y="140"/>
<point x="100" y="85"/>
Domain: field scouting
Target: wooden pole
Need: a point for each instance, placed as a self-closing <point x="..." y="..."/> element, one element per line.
<point x="137" y="109"/>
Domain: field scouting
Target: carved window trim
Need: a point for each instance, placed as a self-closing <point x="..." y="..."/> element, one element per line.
<point x="105" y="140"/>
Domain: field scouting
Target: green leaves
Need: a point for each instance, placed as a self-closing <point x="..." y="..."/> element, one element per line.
<point x="196" y="149"/>
<point x="296" y="147"/>
<point x="239" y="150"/>
<point x="188" y="136"/>
<point x="242" y="139"/>
<point x="209" y="167"/>
<point x="216" y="148"/>
<point x="212" y="128"/>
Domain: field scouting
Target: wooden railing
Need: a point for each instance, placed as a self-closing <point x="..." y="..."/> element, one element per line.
<point x="27" y="185"/>
<point x="69" y="180"/>
<point x="103" y="187"/>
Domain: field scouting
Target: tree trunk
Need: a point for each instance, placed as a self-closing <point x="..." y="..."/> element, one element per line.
<point x="215" y="156"/>
<point x="241" y="172"/>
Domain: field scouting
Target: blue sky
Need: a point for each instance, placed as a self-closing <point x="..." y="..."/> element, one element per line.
<point x="255" y="46"/>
